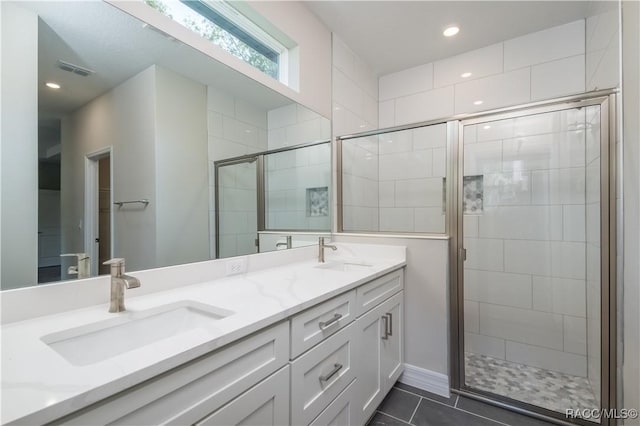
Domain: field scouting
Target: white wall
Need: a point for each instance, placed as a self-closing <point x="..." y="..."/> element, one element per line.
<point x="630" y="373"/>
<point x="19" y="166"/>
<point x="542" y="65"/>
<point x="182" y="178"/>
<point x="123" y="118"/>
<point x="603" y="46"/>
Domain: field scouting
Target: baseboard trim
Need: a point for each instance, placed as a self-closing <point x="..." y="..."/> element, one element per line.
<point x="427" y="380"/>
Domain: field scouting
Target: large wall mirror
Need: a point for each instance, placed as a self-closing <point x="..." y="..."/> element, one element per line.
<point x="152" y="151"/>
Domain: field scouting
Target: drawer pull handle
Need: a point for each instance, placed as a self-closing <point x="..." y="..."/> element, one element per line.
<point x="336" y="368"/>
<point x="327" y="324"/>
<point x="390" y="323"/>
<point x="385" y="319"/>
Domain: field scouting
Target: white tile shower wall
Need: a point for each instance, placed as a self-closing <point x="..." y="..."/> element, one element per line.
<point x="355" y="109"/>
<point x="235" y="128"/>
<point x="603" y="46"/>
<point x="294" y="125"/>
<point x="526" y="259"/>
<point x="290" y="178"/>
<point x="508" y="73"/>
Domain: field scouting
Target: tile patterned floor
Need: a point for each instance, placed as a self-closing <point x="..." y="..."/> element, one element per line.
<point x="406" y="405"/>
<point x="537" y="386"/>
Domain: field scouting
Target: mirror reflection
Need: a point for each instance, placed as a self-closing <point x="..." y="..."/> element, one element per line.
<point x="131" y="127"/>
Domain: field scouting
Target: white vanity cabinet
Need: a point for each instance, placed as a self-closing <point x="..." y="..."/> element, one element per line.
<point x="191" y="392"/>
<point x="380" y="344"/>
<point x="330" y="364"/>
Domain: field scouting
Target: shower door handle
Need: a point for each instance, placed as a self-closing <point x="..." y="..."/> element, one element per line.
<point x="463" y="254"/>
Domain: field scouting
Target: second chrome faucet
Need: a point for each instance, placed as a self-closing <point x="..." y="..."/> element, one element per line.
<point x="321" y="247"/>
<point x="118" y="283"/>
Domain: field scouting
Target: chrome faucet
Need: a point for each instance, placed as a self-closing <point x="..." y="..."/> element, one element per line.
<point x="83" y="268"/>
<point x="288" y="244"/>
<point x="118" y="282"/>
<point x="321" y="247"/>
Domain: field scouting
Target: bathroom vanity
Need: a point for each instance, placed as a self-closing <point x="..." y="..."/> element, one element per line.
<point x="300" y="343"/>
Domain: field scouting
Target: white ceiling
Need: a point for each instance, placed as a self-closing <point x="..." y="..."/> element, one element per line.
<point x="395" y="35"/>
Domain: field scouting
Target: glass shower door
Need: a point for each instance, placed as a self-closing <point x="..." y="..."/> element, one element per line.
<point x="531" y="278"/>
<point x="236" y="208"/>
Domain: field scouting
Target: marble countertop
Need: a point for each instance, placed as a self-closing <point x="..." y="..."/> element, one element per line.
<point x="39" y="385"/>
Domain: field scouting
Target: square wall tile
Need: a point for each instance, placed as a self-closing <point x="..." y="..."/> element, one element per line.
<point x="558" y="78"/>
<point x="406" y="82"/>
<point x="480" y="63"/>
<point x="544" y="46"/>
<point x="511" y="88"/>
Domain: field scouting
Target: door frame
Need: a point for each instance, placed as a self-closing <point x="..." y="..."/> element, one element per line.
<point x="91" y="200"/>
<point x="608" y="256"/>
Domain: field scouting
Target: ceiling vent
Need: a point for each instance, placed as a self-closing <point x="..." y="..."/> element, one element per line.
<point x="76" y="69"/>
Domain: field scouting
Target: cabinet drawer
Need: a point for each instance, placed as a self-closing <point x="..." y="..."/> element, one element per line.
<point x="265" y="404"/>
<point x="320" y="375"/>
<point x="190" y="392"/>
<point x="342" y="411"/>
<point x="378" y="290"/>
<point x="312" y="326"/>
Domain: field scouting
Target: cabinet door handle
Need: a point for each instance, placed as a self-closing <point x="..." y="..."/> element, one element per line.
<point x="336" y="367"/>
<point x="327" y="324"/>
<point x="386" y="327"/>
<point x="390" y="323"/>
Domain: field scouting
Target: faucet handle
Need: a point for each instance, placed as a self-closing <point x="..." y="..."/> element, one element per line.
<point x="117" y="266"/>
<point x="80" y="256"/>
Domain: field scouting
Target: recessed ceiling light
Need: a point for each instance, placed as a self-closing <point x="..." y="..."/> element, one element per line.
<point x="478" y="102"/>
<point x="451" y="31"/>
<point x="465" y="75"/>
<point x="53" y="85"/>
<point x="487" y="127"/>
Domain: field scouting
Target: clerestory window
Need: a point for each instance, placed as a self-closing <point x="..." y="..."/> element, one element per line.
<point x="222" y="24"/>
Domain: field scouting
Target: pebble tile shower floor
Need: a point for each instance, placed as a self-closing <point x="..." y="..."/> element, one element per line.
<point x="549" y="389"/>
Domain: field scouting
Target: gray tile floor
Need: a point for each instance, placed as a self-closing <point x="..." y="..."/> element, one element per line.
<point x="406" y="405"/>
<point x="544" y="388"/>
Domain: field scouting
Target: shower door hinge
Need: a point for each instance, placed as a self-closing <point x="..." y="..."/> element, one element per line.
<point x="463" y="254"/>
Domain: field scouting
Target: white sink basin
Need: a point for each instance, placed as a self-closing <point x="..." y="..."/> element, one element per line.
<point x="131" y="330"/>
<point x="345" y="266"/>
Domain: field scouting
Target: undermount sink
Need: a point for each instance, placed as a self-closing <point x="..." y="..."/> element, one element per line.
<point x="345" y="266"/>
<point x="102" y="340"/>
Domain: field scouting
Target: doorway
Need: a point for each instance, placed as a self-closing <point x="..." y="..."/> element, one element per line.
<point x="99" y="211"/>
<point x="535" y="228"/>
